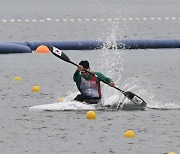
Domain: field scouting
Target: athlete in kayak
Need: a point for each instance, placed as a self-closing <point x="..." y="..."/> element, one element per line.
<point x="89" y="85"/>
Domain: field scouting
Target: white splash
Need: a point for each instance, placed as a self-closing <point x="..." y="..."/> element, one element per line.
<point x="112" y="65"/>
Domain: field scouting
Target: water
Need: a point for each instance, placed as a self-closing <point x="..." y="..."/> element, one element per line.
<point x="152" y="74"/>
<point x="70" y="132"/>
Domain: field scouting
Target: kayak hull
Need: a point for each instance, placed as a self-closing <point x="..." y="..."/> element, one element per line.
<point x="80" y="106"/>
<point x="65" y="106"/>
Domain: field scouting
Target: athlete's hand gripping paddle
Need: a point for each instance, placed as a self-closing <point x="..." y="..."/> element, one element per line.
<point x="131" y="96"/>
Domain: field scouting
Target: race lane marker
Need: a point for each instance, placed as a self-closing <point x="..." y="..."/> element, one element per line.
<point x="88" y="19"/>
<point x="48" y="19"/>
<point x="159" y="18"/>
<point x="3" y="20"/>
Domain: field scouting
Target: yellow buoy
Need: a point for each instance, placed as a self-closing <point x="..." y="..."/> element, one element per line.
<point x="36" y="88"/>
<point x="17" y="78"/>
<point x="61" y="99"/>
<point x="171" y="152"/>
<point x="42" y="49"/>
<point x="129" y="134"/>
<point x="91" y="115"/>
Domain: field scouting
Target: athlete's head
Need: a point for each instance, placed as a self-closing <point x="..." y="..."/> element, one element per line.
<point x="85" y="64"/>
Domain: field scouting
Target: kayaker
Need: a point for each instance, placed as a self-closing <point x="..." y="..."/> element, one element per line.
<point x="88" y="84"/>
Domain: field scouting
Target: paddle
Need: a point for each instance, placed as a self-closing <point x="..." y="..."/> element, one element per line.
<point x="131" y="96"/>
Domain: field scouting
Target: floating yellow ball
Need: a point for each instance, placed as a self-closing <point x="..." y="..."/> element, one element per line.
<point x="36" y="88"/>
<point x="42" y="49"/>
<point x="17" y="78"/>
<point x="171" y="153"/>
<point x="91" y="115"/>
<point x="129" y="134"/>
<point x="61" y="99"/>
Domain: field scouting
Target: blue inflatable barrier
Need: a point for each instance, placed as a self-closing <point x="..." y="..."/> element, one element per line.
<point x="7" y="48"/>
<point x="27" y="47"/>
<point x="121" y="44"/>
<point x="69" y="45"/>
<point x="148" y="44"/>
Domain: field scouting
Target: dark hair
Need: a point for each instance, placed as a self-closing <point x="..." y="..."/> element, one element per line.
<point x="84" y="63"/>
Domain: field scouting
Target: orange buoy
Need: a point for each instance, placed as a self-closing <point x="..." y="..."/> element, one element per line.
<point x="42" y="49"/>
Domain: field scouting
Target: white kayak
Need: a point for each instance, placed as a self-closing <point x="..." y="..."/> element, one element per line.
<point x="65" y="106"/>
<point x="80" y="106"/>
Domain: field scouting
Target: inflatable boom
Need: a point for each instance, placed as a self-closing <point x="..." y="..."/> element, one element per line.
<point x="28" y="47"/>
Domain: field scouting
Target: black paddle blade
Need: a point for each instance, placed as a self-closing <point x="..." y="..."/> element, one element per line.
<point x="58" y="53"/>
<point x="134" y="98"/>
